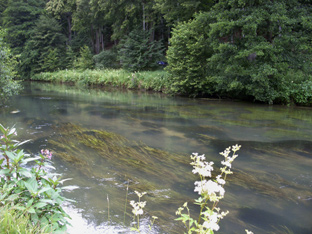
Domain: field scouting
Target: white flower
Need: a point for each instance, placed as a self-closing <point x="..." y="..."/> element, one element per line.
<point x="226" y="152"/>
<point x="203" y="168"/>
<point x="137" y="207"/>
<point x="236" y="147"/>
<point x="226" y="163"/>
<point x="140" y="194"/>
<point x="212" y="222"/>
<point x="249" y="232"/>
<point x="220" y="180"/>
<point x="209" y="188"/>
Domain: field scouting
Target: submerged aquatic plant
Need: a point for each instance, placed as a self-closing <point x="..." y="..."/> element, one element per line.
<point x="210" y="190"/>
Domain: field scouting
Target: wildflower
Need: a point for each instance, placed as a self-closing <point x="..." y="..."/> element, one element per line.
<point x="226" y="163"/>
<point x="180" y="209"/>
<point x="211" y="222"/>
<point x="249" y="232"/>
<point x="209" y="188"/>
<point x="140" y="194"/>
<point x="137" y="207"/>
<point x="226" y="152"/>
<point x="47" y="154"/>
<point x="200" y="166"/>
<point x="220" y="180"/>
<point x="236" y="147"/>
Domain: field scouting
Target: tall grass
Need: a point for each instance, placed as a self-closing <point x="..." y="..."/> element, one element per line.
<point x="14" y="221"/>
<point x="148" y="80"/>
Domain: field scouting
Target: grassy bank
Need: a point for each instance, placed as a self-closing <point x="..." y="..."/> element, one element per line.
<point x="148" y="80"/>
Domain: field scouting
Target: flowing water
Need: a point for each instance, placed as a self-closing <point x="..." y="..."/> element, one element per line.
<point x="112" y="143"/>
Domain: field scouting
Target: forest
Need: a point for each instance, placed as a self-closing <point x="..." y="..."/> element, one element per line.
<point x="253" y="50"/>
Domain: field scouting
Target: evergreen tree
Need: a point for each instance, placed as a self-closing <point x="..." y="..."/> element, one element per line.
<point x="175" y="11"/>
<point x="18" y="19"/>
<point x="259" y="50"/>
<point x="138" y="52"/>
<point x="46" y="37"/>
<point x="187" y="58"/>
<point x="85" y="60"/>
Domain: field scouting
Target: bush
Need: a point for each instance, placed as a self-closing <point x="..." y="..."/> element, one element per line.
<point x="106" y="59"/>
<point x="244" y="50"/>
<point x="8" y="86"/>
<point x="84" y="61"/>
<point x="187" y="58"/>
<point x="137" y="52"/>
<point x="30" y="190"/>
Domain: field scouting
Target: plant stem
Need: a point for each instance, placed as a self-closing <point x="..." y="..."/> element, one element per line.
<point x="108" y="208"/>
<point x="126" y="202"/>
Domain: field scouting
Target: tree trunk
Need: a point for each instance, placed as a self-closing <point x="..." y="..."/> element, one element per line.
<point x="143" y="17"/>
<point x="97" y="41"/>
<point x="102" y="39"/>
<point x="69" y="28"/>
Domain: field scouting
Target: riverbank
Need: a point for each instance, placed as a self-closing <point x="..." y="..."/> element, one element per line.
<point x="148" y="80"/>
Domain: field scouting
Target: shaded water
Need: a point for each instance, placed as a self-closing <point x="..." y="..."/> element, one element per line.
<point x="108" y="140"/>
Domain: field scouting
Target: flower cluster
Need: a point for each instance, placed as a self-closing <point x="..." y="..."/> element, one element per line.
<point x="47" y="154"/>
<point x="209" y="190"/>
<point x="211" y="219"/>
<point x="227" y="162"/>
<point x="138" y="206"/>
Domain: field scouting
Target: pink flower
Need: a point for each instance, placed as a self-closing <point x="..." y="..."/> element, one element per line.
<point x="46" y="153"/>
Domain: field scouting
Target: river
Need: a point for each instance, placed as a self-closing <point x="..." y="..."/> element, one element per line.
<point x="113" y="142"/>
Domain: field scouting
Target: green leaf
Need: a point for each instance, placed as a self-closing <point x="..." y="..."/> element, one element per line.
<point x="44" y="190"/>
<point x="12" y="131"/>
<point x="13" y="197"/>
<point x="10" y="155"/>
<point x="4" y="171"/>
<point x="32" y="185"/>
<point x="49" y="166"/>
<point x="30" y="159"/>
<point x="40" y="204"/>
<point x="2" y="129"/>
<point x="29" y="203"/>
<point x="25" y="172"/>
<point x="20" y="207"/>
<point x="31" y="210"/>
<point x="47" y="201"/>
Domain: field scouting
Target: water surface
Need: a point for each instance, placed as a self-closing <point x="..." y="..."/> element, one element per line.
<point x="110" y="140"/>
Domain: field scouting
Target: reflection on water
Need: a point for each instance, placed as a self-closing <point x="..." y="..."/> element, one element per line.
<point x="107" y="140"/>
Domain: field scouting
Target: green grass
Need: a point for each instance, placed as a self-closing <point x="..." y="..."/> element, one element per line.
<point x="13" y="221"/>
<point x="148" y="80"/>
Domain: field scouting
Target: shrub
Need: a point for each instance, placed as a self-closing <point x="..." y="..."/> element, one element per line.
<point x="84" y="61"/>
<point x="30" y="190"/>
<point x="8" y="86"/>
<point x="137" y="52"/>
<point x="106" y="59"/>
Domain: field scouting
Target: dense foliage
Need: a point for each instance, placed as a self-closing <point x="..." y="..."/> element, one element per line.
<point x="245" y="49"/>
<point x="137" y="52"/>
<point x="8" y="86"/>
<point x="255" y="50"/>
<point x="33" y="191"/>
